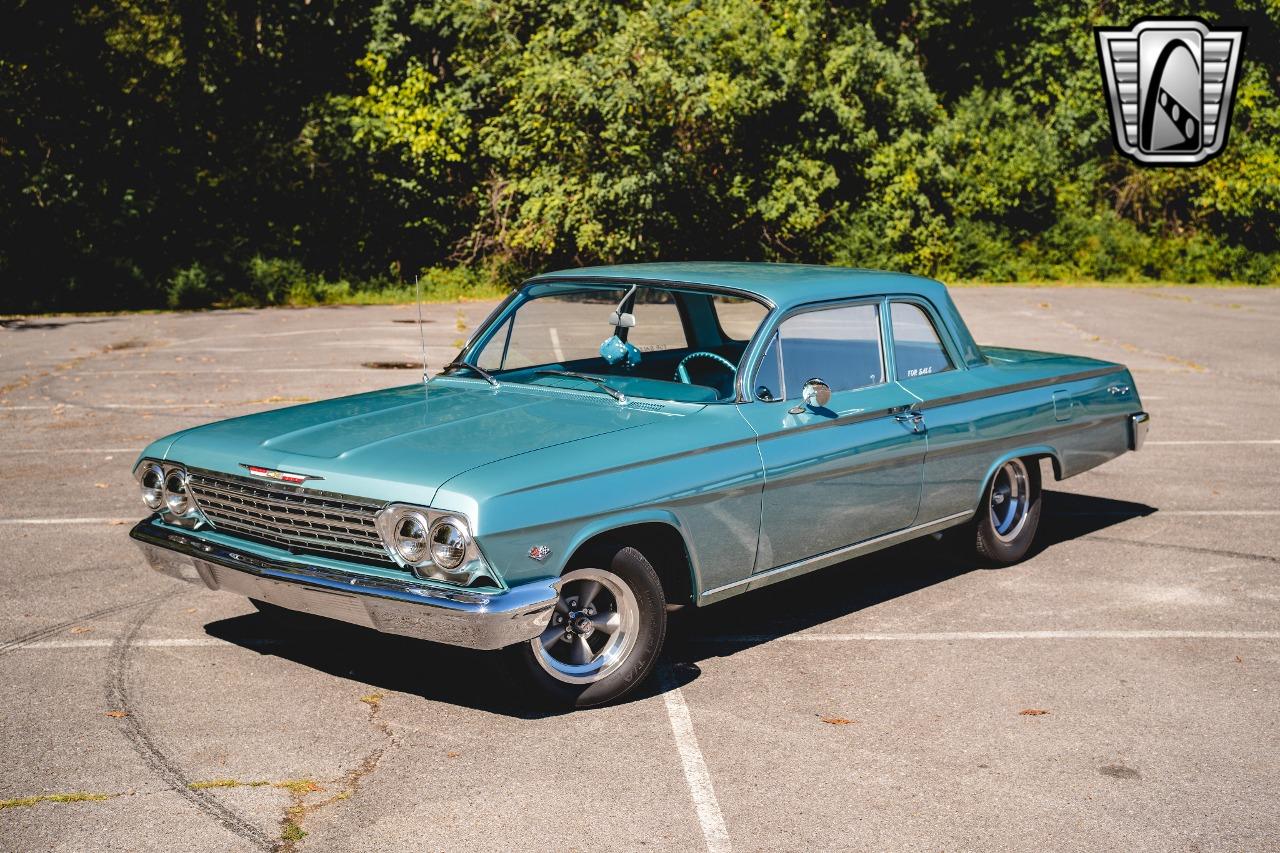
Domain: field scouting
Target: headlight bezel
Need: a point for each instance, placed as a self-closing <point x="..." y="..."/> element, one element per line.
<point x="153" y="493"/>
<point x="453" y="528"/>
<point x="184" y="514"/>
<point x="177" y="494"/>
<point x="471" y="567"/>
<point x="400" y="538"/>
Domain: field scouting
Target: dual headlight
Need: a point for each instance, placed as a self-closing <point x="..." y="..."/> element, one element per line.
<point x="165" y="490"/>
<point x="435" y="545"/>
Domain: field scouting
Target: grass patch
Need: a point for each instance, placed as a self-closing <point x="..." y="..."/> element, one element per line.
<point x="223" y="783"/>
<point x="295" y="786"/>
<point x="73" y="797"/>
<point x="437" y="284"/>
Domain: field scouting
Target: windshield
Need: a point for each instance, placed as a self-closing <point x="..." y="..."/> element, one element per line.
<point x="626" y="339"/>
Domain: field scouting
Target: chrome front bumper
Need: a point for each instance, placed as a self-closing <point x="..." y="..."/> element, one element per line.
<point x="476" y="620"/>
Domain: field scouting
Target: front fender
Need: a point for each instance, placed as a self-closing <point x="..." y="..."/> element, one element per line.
<point x="511" y="552"/>
<point x="700" y="474"/>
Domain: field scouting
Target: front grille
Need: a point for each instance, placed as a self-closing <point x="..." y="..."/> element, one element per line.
<point x="300" y="520"/>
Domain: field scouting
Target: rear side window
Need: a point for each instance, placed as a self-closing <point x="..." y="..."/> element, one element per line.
<point x="840" y="346"/>
<point x="917" y="349"/>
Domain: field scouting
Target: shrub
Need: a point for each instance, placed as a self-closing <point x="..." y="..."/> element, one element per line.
<point x="270" y="280"/>
<point x="195" y="286"/>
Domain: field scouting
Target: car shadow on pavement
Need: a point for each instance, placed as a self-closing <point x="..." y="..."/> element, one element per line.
<point x="846" y="588"/>
<point x="481" y="680"/>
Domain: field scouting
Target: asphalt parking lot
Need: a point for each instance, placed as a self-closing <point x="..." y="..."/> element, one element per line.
<point x="1115" y="691"/>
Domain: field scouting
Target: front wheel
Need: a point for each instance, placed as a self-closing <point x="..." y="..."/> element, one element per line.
<point x="1010" y="513"/>
<point x="605" y="634"/>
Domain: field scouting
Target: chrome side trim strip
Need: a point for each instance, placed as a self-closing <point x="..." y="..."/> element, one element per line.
<point x="818" y="560"/>
<point x="1020" y="386"/>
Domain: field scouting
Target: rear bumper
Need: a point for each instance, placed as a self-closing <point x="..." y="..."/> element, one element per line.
<point x="477" y="620"/>
<point x="1139" y="422"/>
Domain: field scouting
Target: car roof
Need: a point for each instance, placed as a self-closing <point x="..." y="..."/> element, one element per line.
<point x="785" y="285"/>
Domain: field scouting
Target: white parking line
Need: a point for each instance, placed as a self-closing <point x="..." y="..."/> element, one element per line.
<point x="72" y="450"/>
<point x="1215" y="441"/>
<point x="555" y="343"/>
<point x="695" y="769"/>
<point x="1216" y="512"/>
<point x="682" y="724"/>
<point x="49" y="407"/>
<point x="168" y="643"/>
<point x="959" y="636"/>
<point x="1120" y="513"/>
<point x="64" y="520"/>
<point x="190" y="371"/>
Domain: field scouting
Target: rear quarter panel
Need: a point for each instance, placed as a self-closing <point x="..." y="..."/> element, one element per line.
<point x="1018" y="404"/>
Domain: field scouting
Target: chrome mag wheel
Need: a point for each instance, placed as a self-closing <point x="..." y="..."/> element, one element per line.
<point x="593" y="629"/>
<point x="1010" y="500"/>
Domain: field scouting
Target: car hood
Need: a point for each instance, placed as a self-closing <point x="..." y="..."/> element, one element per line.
<point x="402" y="443"/>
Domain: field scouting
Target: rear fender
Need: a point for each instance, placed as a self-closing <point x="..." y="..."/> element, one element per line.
<point x="1035" y="451"/>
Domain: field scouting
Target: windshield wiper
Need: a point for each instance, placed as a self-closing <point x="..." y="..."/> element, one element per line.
<point x="604" y="386"/>
<point x="484" y="374"/>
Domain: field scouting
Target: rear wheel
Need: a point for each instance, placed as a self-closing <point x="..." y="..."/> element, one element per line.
<point x="605" y="634"/>
<point x="1010" y="513"/>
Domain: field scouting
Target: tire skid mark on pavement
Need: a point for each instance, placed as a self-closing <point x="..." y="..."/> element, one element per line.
<point x="43" y="633"/>
<point x="1194" y="549"/>
<point x="144" y="743"/>
<point x="1186" y="363"/>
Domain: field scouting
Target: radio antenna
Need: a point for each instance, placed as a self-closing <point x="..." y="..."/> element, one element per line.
<point x="422" y="335"/>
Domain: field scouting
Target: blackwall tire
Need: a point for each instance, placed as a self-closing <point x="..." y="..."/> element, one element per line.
<point x="1009" y="514"/>
<point x="605" y="635"/>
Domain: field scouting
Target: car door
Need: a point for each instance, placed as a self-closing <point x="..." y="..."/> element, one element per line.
<point x="963" y="433"/>
<point x="838" y="473"/>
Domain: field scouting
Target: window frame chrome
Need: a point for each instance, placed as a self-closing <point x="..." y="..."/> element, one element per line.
<point x="941" y="329"/>
<point x="519" y="297"/>
<point x="774" y="325"/>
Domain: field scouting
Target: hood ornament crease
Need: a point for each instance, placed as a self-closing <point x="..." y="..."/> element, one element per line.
<point x="282" y="476"/>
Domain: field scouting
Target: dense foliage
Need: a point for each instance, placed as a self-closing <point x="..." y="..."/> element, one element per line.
<point x="183" y="152"/>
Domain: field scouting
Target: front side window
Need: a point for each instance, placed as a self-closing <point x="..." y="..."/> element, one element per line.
<point x="841" y="346"/>
<point x="917" y="349"/>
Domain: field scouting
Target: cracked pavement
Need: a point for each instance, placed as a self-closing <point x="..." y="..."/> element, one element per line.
<point x="875" y="705"/>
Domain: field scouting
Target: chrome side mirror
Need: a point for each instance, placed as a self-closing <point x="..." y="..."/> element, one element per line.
<point x="815" y="395"/>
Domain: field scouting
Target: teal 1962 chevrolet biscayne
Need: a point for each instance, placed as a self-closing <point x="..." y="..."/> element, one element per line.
<point x="617" y="441"/>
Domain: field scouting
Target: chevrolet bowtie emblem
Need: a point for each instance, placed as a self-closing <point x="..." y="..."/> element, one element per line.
<point x="282" y="476"/>
<point x="1170" y="84"/>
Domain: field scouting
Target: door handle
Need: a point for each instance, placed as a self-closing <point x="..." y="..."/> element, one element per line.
<point x="914" y="419"/>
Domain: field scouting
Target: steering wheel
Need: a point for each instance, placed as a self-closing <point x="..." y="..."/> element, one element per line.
<point x="683" y="375"/>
